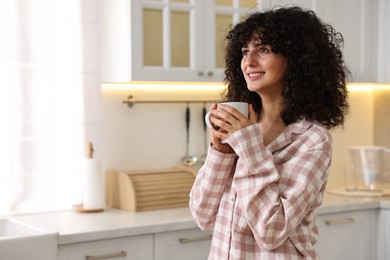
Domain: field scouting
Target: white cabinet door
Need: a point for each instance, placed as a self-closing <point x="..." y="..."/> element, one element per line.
<point x="163" y="44"/>
<point x="383" y="237"/>
<point x="356" y="20"/>
<point x="137" y="247"/>
<point x="180" y="40"/>
<point x="386" y="214"/>
<point x="219" y="17"/>
<point x="347" y="236"/>
<point x="192" y="244"/>
<point x="183" y="40"/>
<point x="383" y="51"/>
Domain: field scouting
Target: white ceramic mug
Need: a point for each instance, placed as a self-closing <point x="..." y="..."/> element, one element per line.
<point x="242" y="107"/>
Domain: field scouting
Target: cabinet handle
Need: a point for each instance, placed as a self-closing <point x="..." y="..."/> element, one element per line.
<point x="339" y="221"/>
<point x="210" y="73"/>
<point x="97" y="257"/>
<point x="200" y="73"/>
<point x="191" y="240"/>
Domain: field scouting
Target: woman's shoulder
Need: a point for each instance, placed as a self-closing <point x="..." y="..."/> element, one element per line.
<point x="312" y="129"/>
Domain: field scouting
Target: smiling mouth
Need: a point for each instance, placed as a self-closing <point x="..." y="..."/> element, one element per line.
<point x="257" y="74"/>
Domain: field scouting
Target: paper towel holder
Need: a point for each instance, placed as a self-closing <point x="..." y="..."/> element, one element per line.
<point x="80" y="207"/>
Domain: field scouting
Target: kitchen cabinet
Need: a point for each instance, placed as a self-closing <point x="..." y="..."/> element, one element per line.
<point x="357" y="22"/>
<point x="137" y="247"/>
<point x="177" y="40"/>
<point x="383" y="237"/>
<point x="182" y="40"/>
<point x="183" y="244"/>
<point x="348" y="235"/>
<point x="383" y="51"/>
<point x="386" y="229"/>
<point x="191" y="244"/>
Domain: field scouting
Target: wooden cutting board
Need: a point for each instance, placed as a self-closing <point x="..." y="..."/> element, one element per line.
<point x="149" y="190"/>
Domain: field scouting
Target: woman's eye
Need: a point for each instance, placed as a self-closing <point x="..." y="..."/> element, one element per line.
<point x="263" y="50"/>
<point x="245" y="52"/>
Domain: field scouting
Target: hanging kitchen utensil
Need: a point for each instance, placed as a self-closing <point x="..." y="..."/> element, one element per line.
<point x="203" y="156"/>
<point x="187" y="159"/>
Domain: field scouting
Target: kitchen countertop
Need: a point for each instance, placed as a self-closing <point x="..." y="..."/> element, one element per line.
<point x="76" y="227"/>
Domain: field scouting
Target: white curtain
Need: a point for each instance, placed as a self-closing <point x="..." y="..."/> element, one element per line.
<point x="49" y="101"/>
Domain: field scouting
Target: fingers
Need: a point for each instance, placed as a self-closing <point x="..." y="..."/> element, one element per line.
<point x="215" y="138"/>
<point x="226" y="120"/>
<point x="229" y="119"/>
<point x="214" y="106"/>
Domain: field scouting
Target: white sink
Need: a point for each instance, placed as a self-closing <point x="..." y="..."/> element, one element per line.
<point x="21" y="241"/>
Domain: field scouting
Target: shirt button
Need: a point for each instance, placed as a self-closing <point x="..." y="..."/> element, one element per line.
<point x="228" y="232"/>
<point x="232" y="199"/>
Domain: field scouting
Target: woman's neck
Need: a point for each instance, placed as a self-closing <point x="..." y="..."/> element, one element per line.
<point x="271" y="110"/>
<point x="270" y="120"/>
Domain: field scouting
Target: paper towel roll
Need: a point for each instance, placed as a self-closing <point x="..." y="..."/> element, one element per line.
<point x="93" y="195"/>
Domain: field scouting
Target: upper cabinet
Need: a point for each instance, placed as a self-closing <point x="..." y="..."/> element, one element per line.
<point x="357" y="21"/>
<point x="184" y="40"/>
<point x="383" y="52"/>
<point x="167" y="40"/>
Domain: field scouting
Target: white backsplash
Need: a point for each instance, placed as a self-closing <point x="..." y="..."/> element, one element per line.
<point x="358" y="130"/>
<point x="153" y="136"/>
<point x="148" y="136"/>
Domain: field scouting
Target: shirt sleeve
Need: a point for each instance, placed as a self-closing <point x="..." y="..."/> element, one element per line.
<point x="210" y="183"/>
<point x="275" y="196"/>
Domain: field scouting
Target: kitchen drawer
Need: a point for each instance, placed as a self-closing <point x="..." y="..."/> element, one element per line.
<point x="191" y="244"/>
<point x="137" y="247"/>
<point x="348" y="235"/>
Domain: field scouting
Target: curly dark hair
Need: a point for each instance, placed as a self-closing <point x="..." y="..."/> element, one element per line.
<point x="315" y="80"/>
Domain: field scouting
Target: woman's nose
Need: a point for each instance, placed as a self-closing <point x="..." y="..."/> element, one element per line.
<point x="251" y="59"/>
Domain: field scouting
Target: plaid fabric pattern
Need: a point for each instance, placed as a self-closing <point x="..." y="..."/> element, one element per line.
<point x="261" y="201"/>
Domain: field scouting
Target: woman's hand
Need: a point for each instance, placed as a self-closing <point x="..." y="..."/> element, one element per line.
<point x="227" y="120"/>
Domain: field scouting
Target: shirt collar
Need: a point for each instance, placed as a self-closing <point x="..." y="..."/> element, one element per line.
<point x="285" y="138"/>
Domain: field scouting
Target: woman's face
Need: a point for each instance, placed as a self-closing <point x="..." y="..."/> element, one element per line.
<point x="263" y="70"/>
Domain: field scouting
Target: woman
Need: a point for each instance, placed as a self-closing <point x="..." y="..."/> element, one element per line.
<point x="260" y="189"/>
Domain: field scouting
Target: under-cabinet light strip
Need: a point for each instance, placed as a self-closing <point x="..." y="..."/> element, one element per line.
<point x="193" y="92"/>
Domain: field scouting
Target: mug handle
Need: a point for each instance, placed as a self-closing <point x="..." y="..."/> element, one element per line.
<point x="207" y="120"/>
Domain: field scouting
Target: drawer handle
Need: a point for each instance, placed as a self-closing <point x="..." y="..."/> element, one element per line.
<point x="97" y="257"/>
<point x="197" y="239"/>
<point x="339" y="221"/>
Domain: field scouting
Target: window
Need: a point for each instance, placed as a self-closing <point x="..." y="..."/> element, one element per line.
<point x="49" y="101"/>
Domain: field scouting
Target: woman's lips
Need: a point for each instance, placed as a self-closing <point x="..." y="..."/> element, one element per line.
<point x="255" y="75"/>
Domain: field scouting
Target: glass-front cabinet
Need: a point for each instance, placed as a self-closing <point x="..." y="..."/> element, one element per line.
<point x="183" y="40"/>
<point x="169" y="40"/>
